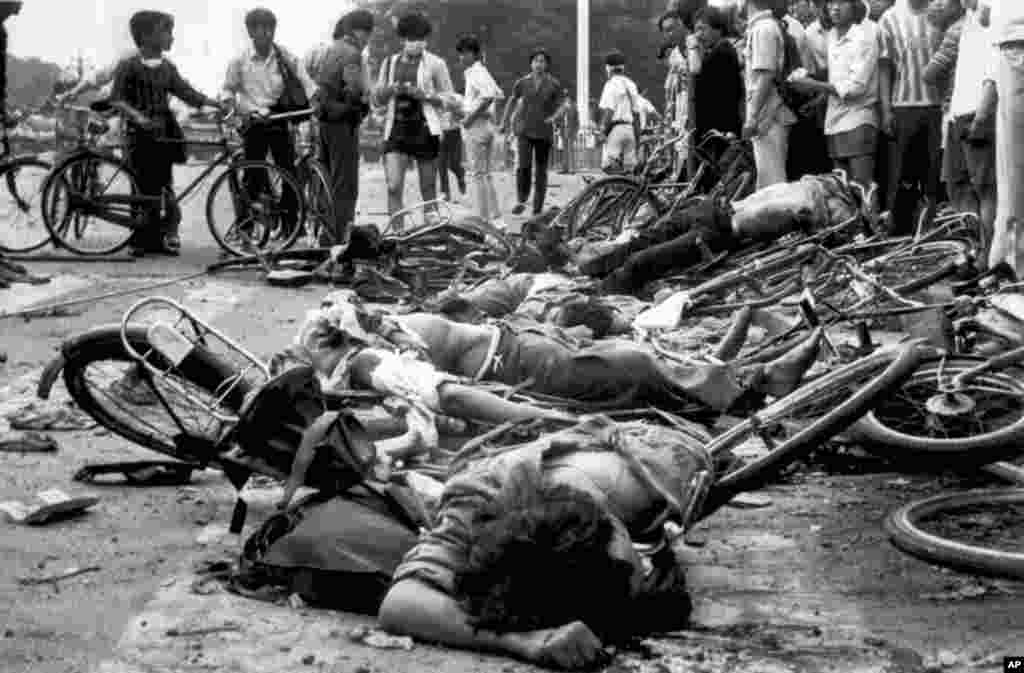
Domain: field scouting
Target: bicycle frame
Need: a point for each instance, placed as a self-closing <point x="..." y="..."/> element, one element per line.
<point x="186" y="322"/>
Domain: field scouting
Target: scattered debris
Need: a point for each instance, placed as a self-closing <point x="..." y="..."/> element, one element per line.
<point x="379" y="639"/>
<point x="961" y="593"/>
<point x="53" y="579"/>
<point x="295" y="602"/>
<point x="308" y="660"/>
<point x="27" y="442"/>
<point x="40" y="415"/>
<point x="47" y="506"/>
<point x="749" y="501"/>
<point x="205" y="631"/>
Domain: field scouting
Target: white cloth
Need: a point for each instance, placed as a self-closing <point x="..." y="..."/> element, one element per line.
<point x="976" y="62"/>
<point x="1007" y="21"/>
<point x="480" y="85"/>
<point x="620" y="95"/>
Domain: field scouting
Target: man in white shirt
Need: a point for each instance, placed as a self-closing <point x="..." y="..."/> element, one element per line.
<point x="969" y="160"/>
<point x="1007" y="24"/>
<point x="478" y="127"/>
<point x="619" y="106"/>
<point x="255" y="81"/>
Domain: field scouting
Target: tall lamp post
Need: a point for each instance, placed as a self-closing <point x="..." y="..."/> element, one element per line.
<point x="583" y="73"/>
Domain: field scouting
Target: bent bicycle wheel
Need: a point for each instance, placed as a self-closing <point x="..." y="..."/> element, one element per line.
<point x="21" y="205"/>
<point x="907" y="525"/>
<point x="607" y="205"/>
<point x="108" y="384"/>
<point x="929" y="422"/>
<point x="794" y="425"/>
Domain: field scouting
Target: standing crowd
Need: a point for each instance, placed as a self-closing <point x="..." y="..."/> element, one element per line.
<point x="914" y="98"/>
<point x="903" y="95"/>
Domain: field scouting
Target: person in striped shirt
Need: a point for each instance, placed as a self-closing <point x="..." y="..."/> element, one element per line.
<point x="911" y="109"/>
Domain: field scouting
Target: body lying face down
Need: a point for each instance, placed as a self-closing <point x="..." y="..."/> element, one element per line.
<point x="533" y="554"/>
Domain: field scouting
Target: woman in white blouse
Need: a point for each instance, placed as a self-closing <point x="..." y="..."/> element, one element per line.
<point x="851" y="123"/>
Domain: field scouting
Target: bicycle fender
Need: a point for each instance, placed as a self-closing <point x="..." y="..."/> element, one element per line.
<point x="56" y="365"/>
<point x="49" y="376"/>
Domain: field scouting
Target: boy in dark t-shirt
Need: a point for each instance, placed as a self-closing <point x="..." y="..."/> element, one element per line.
<point x="143" y="85"/>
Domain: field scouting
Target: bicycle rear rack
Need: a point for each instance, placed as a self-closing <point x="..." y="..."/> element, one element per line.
<point x="178" y="333"/>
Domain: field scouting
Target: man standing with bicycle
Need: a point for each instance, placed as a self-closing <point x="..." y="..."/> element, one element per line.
<point x="256" y="81"/>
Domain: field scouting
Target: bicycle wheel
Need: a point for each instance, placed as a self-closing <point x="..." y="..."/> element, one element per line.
<point x="791" y="427"/>
<point x="918" y="266"/>
<point x="149" y="411"/>
<point x="254" y="205"/>
<point x="78" y="194"/>
<point x="928" y="421"/>
<point x="607" y="205"/>
<point x="319" y="201"/>
<point x="905" y="529"/>
<point x="21" y="205"/>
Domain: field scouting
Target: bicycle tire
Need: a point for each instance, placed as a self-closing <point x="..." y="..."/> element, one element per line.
<point x="888" y="441"/>
<point x="316" y="192"/>
<point x="883" y="370"/>
<point x="606" y="210"/>
<point x="60" y="224"/>
<point x="202" y="369"/>
<point x="34" y="240"/>
<point x="952" y="253"/>
<point x="907" y="536"/>
<point x="265" y="221"/>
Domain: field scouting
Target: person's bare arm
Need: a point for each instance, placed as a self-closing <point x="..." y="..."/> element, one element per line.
<point x="415" y="609"/>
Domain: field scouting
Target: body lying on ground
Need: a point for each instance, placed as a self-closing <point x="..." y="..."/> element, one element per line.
<point x="687" y="235"/>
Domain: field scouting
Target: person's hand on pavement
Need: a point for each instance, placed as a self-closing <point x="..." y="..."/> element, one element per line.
<point x="573" y="646"/>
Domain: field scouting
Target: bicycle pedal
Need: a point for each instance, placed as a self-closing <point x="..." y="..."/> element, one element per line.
<point x="169" y="342"/>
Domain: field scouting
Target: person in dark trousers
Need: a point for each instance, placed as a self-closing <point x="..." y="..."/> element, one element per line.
<point x="449" y="160"/>
<point x="541" y="98"/>
<point x="342" y="103"/>
<point x="142" y="89"/>
<point x="255" y="81"/>
<point x="718" y="87"/>
<point x="569" y="127"/>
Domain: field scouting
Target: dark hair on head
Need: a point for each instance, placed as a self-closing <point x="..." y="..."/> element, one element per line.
<point x="413" y="27"/>
<point x="537" y="555"/>
<point x="541" y="51"/>
<point x="260" y="17"/>
<point x="715" y="18"/>
<point x="595" y="315"/>
<point x="672" y="14"/>
<point x="615" y="59"/>
<point x="357" y="19"/>
<point x="146" y="22"/>
<point x="468" y="44"/>
<point x="452" y="306"/>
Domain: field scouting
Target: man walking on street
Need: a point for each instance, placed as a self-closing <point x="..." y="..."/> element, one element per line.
<point x="342" y="102"/>
<point x="541" y="97"/>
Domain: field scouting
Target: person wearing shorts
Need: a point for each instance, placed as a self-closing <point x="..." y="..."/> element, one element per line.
<point x="411" y="84"/>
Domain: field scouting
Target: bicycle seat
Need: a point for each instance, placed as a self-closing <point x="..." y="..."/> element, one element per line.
<point x="101" y="106"/>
